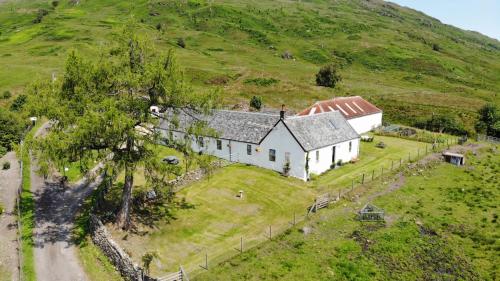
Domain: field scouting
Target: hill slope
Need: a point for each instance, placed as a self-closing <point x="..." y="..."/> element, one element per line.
<point x="409" y="64"/>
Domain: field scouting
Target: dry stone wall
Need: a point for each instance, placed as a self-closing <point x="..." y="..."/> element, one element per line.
<point x="121" y="260"/>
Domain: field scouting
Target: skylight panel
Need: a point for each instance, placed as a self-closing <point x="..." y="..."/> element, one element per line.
<point x="355" y="104"/>
<point x="350" y="108"/>
<point x="341" y="109"/>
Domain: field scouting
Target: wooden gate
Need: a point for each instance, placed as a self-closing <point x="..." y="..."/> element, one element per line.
<point x="176" y="276"/>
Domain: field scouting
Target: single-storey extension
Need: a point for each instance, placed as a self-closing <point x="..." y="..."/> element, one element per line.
<point x="361" y="114"/>
<point x="294" y="145"/>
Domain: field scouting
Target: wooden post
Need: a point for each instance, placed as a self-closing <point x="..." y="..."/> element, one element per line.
<point x="241" y="244"/>
<point x="206" y="261"/>
<point x="382" y="174"/>
<point x="409" y="159"/>
<point x="363" y="179"/>
<point x="270" y="233"/>
<point x="352" y="185"/>
<point x="340" y="193"/>
<point x="426" y="149"/>
<point x="293" y="218"/>
<point x="373" y="174"/>
<point x="400" y="161"/>
<point x="392" y="164"/>
<point x="418" y="153"/>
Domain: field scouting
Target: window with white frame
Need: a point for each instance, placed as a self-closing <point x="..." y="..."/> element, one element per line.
<point x="219" y="145"/>
<point x="249" y="149"/>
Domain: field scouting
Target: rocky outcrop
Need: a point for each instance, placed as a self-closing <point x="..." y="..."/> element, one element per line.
<point x="121" y="260"/>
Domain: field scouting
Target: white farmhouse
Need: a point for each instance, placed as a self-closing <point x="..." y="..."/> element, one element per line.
<point x="270" y="141"/>
<point x="362" y="115"/>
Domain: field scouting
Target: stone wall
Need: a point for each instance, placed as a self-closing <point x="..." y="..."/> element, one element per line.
<point x="122" y="262"/>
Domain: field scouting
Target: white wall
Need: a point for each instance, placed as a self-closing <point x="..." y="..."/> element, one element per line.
<point x="282" y="141"/>
<point x="366" y="123"/>
<point x="325" y="156"/>
<point x="278" y="139"/>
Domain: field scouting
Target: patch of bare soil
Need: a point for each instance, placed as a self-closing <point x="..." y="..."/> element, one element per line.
<point x="9" y="183"/>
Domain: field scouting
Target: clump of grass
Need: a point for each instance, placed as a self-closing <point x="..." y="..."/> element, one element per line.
<point x="263" y="82"/>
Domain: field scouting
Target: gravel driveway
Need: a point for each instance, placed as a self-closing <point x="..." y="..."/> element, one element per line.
<point x="55" y="252"/>
<point x="9" y="183"/>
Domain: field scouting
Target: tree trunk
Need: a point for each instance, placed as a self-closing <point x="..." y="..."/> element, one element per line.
<point x="123" y="218"/>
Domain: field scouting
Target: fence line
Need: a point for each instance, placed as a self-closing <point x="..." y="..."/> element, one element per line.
<point x="324" y="200"/>
<point x="487" y="138"/>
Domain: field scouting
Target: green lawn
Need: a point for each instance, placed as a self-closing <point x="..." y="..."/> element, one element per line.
<point x="214" y="219"/>
<point x="371" y="159"/>
<point x="442" y="224"/>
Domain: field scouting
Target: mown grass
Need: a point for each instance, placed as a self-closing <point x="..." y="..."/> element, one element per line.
<point x="385" y="52"/>
<point x="210" y="219"/>
<point x="441" y="224"/>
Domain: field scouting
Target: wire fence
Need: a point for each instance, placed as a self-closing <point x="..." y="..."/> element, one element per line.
<point x="207" y="259"/>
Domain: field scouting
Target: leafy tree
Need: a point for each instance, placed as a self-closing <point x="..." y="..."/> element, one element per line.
<point x="489" y="120"/>
<point x="103" y="108"/>
<point x="11" y="129"/>
<point x="328" y="76"/>
<point x="444" y="123"/>
<point x="18" y="103"/>
<point x="256" y="102"/>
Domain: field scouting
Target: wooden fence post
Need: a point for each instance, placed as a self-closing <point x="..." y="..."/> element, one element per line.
<point x="400" y="161"/>
<point x="206" y="261"/>
<point x="293" y="218"/>
<point x="426" y="149"/>
<point x="392" y="164"/>
<point x="409" y="159"/>
<point x="363" y="179"/>
<point x="382" y="174"/>
<point x="270" y="233"/>
<point x="352" y="185"/>
<point x="373" y="174"/>
<point x="418" y="153"/>
<point x="241" y="245"/>
<point x="340" y="193"/>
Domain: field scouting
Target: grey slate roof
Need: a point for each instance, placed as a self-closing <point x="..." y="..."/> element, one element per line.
<point x="312" y="132"/>
<point x="320" y="130"/>
<point x="233" y="125"/>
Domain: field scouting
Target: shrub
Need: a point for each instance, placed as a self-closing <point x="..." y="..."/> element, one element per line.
<point x="6" y="95"/>
<point x="256" y="102"/>
<point x="55" y="3"/>
<point x="40" y="14"/>
<point x="436" y="47"/>
<point x="328" y="76"/>
<point x="262" y="81"/>
<point x="18" y="103"/>
<point x="181" y="43"/>
<point x="6" y="165"/>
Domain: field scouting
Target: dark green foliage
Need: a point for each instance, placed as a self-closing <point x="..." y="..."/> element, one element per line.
<point x="55" y="3"/>
<point x="11" y="128"/>
<point x="436" y="47"/>
<point x="489" y="120"/>
<point x="256" y="102"/>
<point x="6" y="95"/>
<point x="328" y="76"/>
<point x="18" y="103"/>
<point x="262" y="81"/>
<point x="6" y="165"/>
<point x="181" y="43"/>
<point x="442" y="123"/>
<point x="40" y="14"/>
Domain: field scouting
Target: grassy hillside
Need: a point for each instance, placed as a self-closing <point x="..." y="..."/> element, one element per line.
<point x="409" y="64"/>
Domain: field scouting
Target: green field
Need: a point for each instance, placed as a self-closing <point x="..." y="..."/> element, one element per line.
<point x="441" y="224"/>
<point x="405" y="62"/>
<point x="211" y="219"/>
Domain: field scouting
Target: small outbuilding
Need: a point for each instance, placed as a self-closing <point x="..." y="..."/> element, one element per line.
<point x="454" y="158"/>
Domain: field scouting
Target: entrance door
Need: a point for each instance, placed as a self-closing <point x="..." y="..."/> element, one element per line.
<point x="333" y="155"/>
